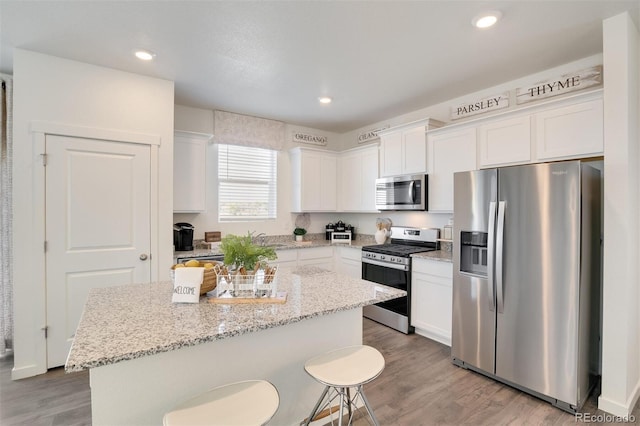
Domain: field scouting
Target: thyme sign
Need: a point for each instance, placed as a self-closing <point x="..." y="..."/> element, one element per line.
<point x="558" y="86"/>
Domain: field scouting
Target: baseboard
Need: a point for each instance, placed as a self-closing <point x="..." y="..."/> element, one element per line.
<point x="18" y="373"/>
<point x="432" y="334"/>
<point x="617" y="409"/>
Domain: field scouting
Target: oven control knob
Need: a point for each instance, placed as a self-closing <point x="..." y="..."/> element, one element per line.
<point x="382" y="257"/>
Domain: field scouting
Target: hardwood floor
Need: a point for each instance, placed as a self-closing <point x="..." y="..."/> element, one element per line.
<point x="419" y="386"/>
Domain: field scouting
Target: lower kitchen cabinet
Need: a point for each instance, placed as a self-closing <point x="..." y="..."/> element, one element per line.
<point x="286" y="258"/>
<point x="431" y="299"/>
<point x="317" y="256"/>
<point x="348" y="261"/>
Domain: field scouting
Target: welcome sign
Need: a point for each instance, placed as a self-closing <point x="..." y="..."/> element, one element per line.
<point x="186" y="285"/>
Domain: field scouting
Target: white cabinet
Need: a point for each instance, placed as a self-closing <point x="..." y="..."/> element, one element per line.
<point x="448" y="152"/>
<point x="358" y="171"/>
<point x="286" y="258"/>
<point x="505" y="141"/>
<point x="403" y="149"/>
<point x="570" y="132"/>
<point x="348" y="261"/>
<point x="314" y="174"/>
<point x="316" y="256"/>
<point x="189" y="171"/>
<point x="431" y="299"/>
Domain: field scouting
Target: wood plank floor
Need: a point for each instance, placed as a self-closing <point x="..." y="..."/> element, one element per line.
<point x="419" y="386"/>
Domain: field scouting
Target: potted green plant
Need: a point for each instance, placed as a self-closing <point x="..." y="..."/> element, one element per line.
<point x="299" y="233"/>
<point x="241" y="253"/>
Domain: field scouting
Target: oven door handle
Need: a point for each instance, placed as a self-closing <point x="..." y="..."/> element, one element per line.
<point x="386" y="265"/>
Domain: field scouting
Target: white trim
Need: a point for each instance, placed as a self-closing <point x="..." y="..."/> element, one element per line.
<point x="434" y="333"/>
<point x="429" y="123"/>
<point x="61" y="129"/>
<point x="207" y="136"/>
<point x="617" y="409"/>
<point x="27" y="371"/>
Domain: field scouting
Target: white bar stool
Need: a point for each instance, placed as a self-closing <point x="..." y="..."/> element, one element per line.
<point x="248" y="403"/>
<point x="340" y="370"/>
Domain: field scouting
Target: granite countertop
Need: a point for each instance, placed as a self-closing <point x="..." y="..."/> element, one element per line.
<point x="133" y="321"/>
<point x="439" y="255"/>
<point x="358" y="243"/>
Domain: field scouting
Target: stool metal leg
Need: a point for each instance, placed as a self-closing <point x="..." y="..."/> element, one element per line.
<point x="315" y="409"/>
<point x="368" y="406"/>
<point x="341" y="391"/>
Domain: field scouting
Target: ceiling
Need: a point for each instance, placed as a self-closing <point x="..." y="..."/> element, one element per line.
<point x="273" y="59"/>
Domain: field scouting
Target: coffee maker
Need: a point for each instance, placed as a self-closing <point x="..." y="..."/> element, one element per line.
<point x="183" y="236"/>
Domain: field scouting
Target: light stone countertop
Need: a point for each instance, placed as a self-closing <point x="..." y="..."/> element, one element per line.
<point x="358" y="243"/>
<point x="439" y="255"/>
<point x="133" y="321"/>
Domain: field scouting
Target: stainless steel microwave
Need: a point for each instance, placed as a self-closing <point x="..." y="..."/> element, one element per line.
<point x="402" y="193"/>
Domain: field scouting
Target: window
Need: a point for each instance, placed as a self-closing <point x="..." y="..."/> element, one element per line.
<point x="246" y="183"/>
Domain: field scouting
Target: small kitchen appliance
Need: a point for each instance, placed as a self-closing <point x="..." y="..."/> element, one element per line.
<point x="402" y="192"/>
<point x="183" y="236"/>
<point x="390" y="264"/>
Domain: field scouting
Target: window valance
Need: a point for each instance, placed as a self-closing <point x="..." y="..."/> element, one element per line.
<point x="237" y="129"/>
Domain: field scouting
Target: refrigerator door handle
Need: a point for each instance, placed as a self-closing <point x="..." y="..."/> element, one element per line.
<point x="499" y="255"/>
<point x="491" y="256"/>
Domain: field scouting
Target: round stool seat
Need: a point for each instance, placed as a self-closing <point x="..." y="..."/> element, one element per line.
<point x="346" y="367"/>
<point x="252" y="402"/>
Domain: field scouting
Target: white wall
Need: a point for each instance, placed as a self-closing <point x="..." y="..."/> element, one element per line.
<point x="55" y="90"/>
<point x="621" y="294"/>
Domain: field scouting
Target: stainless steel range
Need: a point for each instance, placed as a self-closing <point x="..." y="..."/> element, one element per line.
<point x="390" y="264"/>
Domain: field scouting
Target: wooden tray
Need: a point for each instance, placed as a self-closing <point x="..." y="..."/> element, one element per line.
<point x="280" y="297"/>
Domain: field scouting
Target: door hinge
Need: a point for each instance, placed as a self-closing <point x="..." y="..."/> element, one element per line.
<point x="44" y="159"/>
<point x="46" y="331"/>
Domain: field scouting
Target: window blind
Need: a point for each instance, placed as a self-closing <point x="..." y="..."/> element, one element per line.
<point x="247" y="178"/>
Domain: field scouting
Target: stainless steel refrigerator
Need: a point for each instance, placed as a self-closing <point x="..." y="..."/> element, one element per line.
<point x="526" y="277"/>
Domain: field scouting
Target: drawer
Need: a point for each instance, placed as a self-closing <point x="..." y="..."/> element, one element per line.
<point x="315" y="253"/>
<point x="433" y="267"/>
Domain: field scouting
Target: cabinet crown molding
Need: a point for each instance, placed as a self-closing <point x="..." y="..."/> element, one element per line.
<point x="429" y="123"/>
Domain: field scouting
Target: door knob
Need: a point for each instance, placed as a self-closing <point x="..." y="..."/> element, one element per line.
<point x="143" y="256"/>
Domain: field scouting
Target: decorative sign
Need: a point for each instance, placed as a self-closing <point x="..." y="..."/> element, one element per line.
<point x="370" y="135"/>
<point x="309" y="138"/>
<point x="559" y="86"/>
<point x="491" y="103"/>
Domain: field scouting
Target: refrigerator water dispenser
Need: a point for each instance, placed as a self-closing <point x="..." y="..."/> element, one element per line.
<point x="473" y="253"/>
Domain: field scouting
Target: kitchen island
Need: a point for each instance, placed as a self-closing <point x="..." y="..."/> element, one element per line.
<point x="146" y="354"/>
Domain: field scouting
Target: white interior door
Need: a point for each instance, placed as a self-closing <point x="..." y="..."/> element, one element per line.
<point x="97" y="227"/>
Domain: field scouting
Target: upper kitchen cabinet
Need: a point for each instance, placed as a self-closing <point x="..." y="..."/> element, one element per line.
<point x="403" y="149"/>
<point x="560" y="129"/>
<point x="314" y="176"/>
<point x="505" y="141"/>
<point x="358" y="171"/>
<point x="448" y="151"/>
<point x="569" y="132"/>
<point x="189" y="171"/>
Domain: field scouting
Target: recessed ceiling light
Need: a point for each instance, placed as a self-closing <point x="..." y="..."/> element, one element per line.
<point x="324" y="100"/>
<point x="145" y="55"/>
<point x="487" y="19"/>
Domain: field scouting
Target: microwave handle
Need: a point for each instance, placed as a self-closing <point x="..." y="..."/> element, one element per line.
<point x="412" y="191"/>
